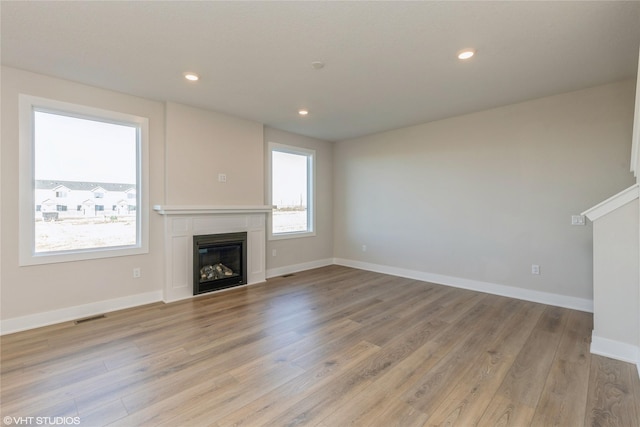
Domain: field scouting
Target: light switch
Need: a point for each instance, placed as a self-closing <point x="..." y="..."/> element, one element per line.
<point x="577" y="219"/>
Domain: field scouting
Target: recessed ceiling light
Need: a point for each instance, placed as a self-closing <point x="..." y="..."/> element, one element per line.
<point x="191" y="76"/>
<point x="466" y="53"/>
<point x="317" y="65"/>
<point x="303" y="112"/>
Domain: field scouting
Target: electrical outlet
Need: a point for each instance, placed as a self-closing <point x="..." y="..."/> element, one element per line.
<point x="222" y="177"/>
<point x="274" y="252"/>
<point x="364" y="248"/>
<point x="137" y="273"/>
<point x="535" y="269"/>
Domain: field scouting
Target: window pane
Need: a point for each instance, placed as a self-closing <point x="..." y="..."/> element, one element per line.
<point x="77" y="161"/>
<point x="289" y="192"/>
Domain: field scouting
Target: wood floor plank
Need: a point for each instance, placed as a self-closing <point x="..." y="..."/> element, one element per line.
<point x="395" y="372"/>
<point x="288" y="353"/>
<point x="635" y="388"/>
<point x="505" y="412"/>
<point x="428" y="393"/>
<point x="327" y="347"/>
<point x="564" y="396"/>
<point x="229" y="400"/>
<point x="515" y="401"/>
<point x="464" y="406"/>
<point x="383" y="363"/>
<point x="271" y="405"/>
<point x="104" y="414"/>
<point x="99" y="389"/>
<point x="374" y="406"/>
<point x="610" y="400"/>
<point x="527" y="377"/>
<point x="177" y="403"/>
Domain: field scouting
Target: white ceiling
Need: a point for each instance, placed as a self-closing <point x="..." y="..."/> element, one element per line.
<point x="388" y="64"/>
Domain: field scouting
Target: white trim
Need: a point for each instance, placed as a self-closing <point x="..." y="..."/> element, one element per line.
<point x="280" y="271"/>
<point x="217" y="291"/>
<point x="635" y="138"/>
<point x="614" y="349"/>
<point x="574" y="303"/>
<point x="311" y="189"/>
<point x="26" y="230"/>
<point x="47" y="318"/>
<point x="207" y="210"/>
<point x="612" y="203"/>
<point x="179" y="230"/>
<point x="291" y="235"/>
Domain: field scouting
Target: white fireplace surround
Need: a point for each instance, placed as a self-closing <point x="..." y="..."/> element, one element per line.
<point x="181" y="223"/>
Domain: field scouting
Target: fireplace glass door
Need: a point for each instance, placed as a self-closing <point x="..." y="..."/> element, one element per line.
<point x="219" y="261"/>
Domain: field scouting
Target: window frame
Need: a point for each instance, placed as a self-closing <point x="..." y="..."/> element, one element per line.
<point x="28" y="104"/>
<point x="311" y="183"/>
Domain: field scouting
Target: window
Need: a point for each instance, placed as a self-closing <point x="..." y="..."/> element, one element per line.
<point x="73" y="149"/>
<point x="291" y="191"/>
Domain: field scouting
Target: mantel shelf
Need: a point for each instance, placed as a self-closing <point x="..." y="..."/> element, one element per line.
<point x="210" y="210"/>
<point x="613" y="203"/>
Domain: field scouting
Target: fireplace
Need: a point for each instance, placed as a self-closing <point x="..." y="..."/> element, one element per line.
<point x="181" y="223"/>
<point x="219" y="261"/>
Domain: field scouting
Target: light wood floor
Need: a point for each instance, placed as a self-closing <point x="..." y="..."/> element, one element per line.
<point x="328" y="347"/>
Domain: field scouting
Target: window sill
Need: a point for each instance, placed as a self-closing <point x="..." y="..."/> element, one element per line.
<point x="292" y="235"/>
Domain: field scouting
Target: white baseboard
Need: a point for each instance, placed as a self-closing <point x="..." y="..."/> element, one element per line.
<point x="475" y="285"/>
<point x="57" y="316"/>
<point x="600" y="346"/>
<point x="615" y="350"/>
<point x="47" y="318"/>
<point x="281" y="271"/>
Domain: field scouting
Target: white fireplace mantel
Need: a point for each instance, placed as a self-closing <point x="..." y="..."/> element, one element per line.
<point x="203" y="210"/>
<point x="182" y="222"/>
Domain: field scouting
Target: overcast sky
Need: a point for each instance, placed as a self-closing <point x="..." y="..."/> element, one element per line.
<point x="72" y="149"/>
<point x="289" y="174"/>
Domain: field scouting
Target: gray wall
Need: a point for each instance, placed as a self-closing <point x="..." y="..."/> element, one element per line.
<point x="481" y="196"/>
<point x="200" y="144"/>
<point x="486" y="195"/>
<point x="46" y="288"/>
<point x="188" y="148"/>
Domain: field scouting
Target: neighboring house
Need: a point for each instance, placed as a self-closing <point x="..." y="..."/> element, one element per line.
<point x="72" y="199"/>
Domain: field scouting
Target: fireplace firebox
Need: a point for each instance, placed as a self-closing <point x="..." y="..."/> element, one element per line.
<point x="219" y="261"/>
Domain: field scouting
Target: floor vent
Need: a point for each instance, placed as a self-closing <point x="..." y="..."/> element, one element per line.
<point x="288" y="275"/>
<point x="89" y="319"/>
